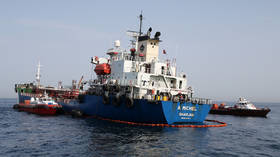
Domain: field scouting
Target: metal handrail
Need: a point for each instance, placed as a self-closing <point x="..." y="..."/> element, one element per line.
<point x="201" y="100"/>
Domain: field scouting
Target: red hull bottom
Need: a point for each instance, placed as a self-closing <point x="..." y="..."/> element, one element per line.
<point x="40" y="110"/>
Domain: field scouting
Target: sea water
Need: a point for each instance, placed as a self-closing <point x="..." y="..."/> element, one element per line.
<point x="24" y="134"/>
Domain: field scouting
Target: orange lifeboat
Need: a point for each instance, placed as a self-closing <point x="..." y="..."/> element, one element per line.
<point x="102" y="69"/>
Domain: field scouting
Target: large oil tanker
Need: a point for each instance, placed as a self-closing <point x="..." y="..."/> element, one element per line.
<point x="132" y="85"/>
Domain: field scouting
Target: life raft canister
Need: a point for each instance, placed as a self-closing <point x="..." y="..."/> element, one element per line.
<point x="102" y="69"/>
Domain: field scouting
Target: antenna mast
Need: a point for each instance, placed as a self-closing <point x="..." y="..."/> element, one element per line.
<point x="38" y="74"/>
<point x="141" y="18"/>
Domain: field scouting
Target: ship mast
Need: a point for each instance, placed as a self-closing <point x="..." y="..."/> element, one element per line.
<point x="38" y="74"/>
<point x="135" y="35"/>
<point x="141" y="18"/>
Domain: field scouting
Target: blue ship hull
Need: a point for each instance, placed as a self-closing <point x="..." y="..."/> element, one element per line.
<point x="143" y="111"/>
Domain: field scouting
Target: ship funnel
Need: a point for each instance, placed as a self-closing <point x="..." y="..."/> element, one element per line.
<point x="157" y="35"/>
<point x="117" y="43"/>
<point x="149" y="31"/>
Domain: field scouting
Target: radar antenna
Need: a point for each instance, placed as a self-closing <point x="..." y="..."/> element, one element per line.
<point x="134" y="35"/>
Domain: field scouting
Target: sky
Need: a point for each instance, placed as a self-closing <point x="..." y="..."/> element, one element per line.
<point x="227" y="48"/>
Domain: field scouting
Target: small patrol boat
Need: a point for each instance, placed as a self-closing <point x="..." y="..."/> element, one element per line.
<point x="41" y="106"/>
<point x="42" y="100"/>
<point x="241" y="108"/>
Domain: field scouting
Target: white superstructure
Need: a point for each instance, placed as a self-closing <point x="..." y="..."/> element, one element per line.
<point x="44" y="100"/>
<point x="141" y="69"/>
<point x="244" y="104"/>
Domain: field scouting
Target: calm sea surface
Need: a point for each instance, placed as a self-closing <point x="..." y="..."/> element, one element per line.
<point x="23" y="134"/>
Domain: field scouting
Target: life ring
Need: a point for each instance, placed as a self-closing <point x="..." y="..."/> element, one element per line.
<point x="129" y="102"/>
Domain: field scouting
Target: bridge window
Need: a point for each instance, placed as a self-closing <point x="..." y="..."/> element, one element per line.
<point x="180" y="84"/>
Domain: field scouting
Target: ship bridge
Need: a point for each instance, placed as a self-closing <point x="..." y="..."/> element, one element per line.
<point x="141" y="68"/>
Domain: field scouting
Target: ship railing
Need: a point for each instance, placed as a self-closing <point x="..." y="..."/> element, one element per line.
<point x="166" y="72"/>
<point x="128" y="82"/>
<point x="129" y="57"/>
<point x="166" y="61"/>
<point x="201" y="101"/>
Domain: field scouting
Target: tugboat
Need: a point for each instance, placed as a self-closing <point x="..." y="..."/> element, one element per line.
<point x="35" y="98"/>
<point x="41" y="106"/>
<point x="241" y="108"/>
<point x="136" y="86"/>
